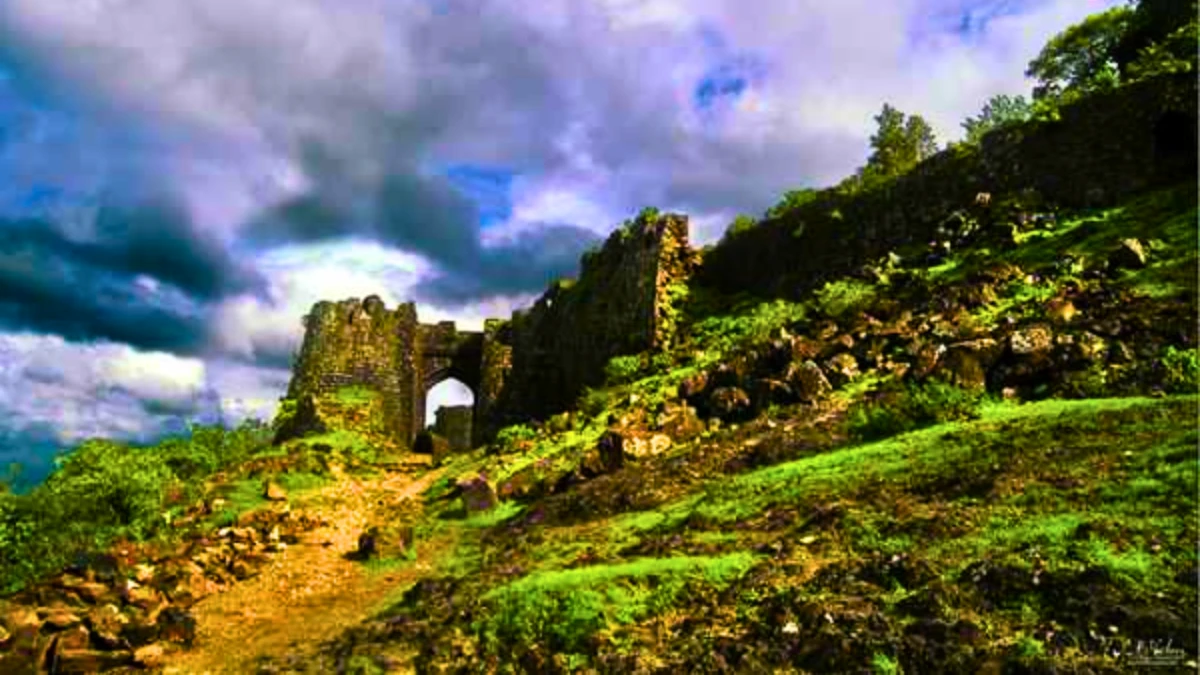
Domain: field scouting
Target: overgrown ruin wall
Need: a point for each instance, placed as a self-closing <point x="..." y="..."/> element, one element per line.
<point x="352" y="343"/>
<point x="620" y="304"/>
<point x="1103" y="149"/>
<point x="533" y="365"/>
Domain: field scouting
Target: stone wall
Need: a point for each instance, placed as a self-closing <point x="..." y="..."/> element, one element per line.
<point x="352" y="343"/>
<point x="454" y="424"/>
<point x="495" y="365"/>
<point x="619" y="305"/>
<point x="1103" y="149"/>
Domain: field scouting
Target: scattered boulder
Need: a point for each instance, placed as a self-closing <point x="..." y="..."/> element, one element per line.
<point x="274" y="491"/>
<point x="767" y="391"/>
<point x="808" y="381"/>
<point x="1061" y="311"/>
<point x="682" y="423"/>
<point x="177" y="625"/>
<point x="611" y="447"/>
<point x="729" y="403"/>
<point x="60" y="618"/>
<point x="79" y="661"/>
<point x="693" y="386"/>
<point x="478" y="494"/>
<point x="1129" y="255"/>
<point x="842" y="368"/>
<point x="1032" y="341"/>
<point x="149" y="656"/>
<point x="639" y="447"/>
<point x="805" y="348"/>
<point x="966" y="363"/>
<point x="775" y="356"/>
<point x="728" y="375"/>
<point x="105" y="624"/>
<point x="368" y="543"/>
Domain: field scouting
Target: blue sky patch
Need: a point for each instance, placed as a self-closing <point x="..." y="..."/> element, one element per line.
<point x="488" y="187"/>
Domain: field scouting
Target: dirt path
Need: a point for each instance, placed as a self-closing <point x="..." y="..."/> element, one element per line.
<point x="308" y="593"/>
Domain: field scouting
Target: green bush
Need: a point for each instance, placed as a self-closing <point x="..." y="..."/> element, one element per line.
<point x="1181" y="370"/>
<point x="102" y="490"/>
<point x="285" y="413"/>
<point x="622" y="369"/>
<point x="740" y="225"/>
<point x="508" y="437"/>
<point x="898" y="408"/>
<point x="793" y="199"/>
<point x="593" y="402"/>
<point x="845" y="296"/>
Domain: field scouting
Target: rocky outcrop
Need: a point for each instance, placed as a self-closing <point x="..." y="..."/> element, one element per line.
<point x="107" y="612"/>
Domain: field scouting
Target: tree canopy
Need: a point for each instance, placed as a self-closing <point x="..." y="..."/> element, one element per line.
<point x="999" y="111"/>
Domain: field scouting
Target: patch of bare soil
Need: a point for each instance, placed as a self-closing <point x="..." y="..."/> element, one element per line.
<point x="310" y="592"/>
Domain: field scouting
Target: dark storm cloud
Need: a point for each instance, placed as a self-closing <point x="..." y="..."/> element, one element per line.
<point x="87" y="287"/>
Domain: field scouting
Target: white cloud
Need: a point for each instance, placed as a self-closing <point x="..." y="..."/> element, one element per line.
<point x="103" y="389"/>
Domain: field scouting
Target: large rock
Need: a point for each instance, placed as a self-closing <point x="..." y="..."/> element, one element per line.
<point x="106" y="623"/>
<point x="478" y="494"/>
<point x="774" y="357"/>
<point x="693" y="386"/>
<point x="809" y="382"/>
<point x="842" y="368"/>
<point x="611" y="448"/>
<point x="1129" y="255"/>
<point x="768" y="391"/>
<point x="729" y="403"/>
<point x="640" y="447"/>
<point x="728" y="375"/>
<point x="682" y="423"/>
<point x="273" y="491"/>
<point x="81" y="661"/>
<point x="805" y="348"/>
<point x="1032" y="341"/>
<point x="966" y="363"/>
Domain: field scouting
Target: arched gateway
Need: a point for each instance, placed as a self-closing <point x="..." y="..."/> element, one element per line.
<point x="353" y="343"/>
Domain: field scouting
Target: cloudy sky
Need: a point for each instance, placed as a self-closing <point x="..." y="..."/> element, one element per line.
<point x="181" y="179"/>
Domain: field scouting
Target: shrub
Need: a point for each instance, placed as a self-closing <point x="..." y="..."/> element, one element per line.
<point x="1181" y="370"/>
<point x="622" y="369"/>
<point x="740" y="225"/>
<point x="793" y="199"/>
<point x="593" y="402"/>
<point x="845" y="296"/>
<point x="898" y="408"/>
<point x="102" y="490"/>
<point x="285" y="413"/>
<point x="508" y="437"/>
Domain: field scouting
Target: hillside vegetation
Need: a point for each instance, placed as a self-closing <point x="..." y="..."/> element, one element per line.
<point x="978" y="456"/>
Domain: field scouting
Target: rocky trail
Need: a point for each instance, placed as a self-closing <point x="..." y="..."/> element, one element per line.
<point x="310" y="592"/>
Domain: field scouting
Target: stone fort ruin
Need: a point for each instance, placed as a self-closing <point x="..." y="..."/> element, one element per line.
<point x="529" y="366"/>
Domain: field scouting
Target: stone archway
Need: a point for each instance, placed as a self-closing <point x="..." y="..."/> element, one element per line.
<point x="445" y="353"/>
